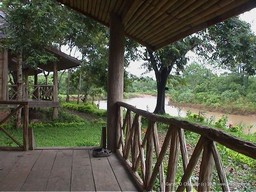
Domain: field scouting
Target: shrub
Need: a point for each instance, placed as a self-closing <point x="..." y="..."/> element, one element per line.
<point x="85" y="108"/>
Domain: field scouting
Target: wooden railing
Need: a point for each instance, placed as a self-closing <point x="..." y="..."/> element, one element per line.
<point x="43" y="92"/>
<point x="39" y="92"/>
<point x="10" y="109"/>
<point x="12" y="92"/>
<point x="153" y="157"/>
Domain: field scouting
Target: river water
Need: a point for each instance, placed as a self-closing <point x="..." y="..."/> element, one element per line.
<point x="148" y="103"/>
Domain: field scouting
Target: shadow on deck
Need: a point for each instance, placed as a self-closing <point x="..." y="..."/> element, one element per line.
<point x="62" y="170"/>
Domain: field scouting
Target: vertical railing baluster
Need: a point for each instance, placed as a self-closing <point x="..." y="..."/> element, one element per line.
<point x="184" y="155"/>
<point x="220" y="170"/>
<point x="192" y="163"/>
<point x="205" y="174"/>
<point x="173" y="158"/>
<point x="157" y="148"/>
<point x="149" y="152"/>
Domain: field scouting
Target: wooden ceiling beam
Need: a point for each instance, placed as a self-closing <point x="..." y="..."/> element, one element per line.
<point x="178" y="23"/>
<point x="200" y="26"/>
<point x="149" y="15"/>
<point x="156" y="23"/>
<point x="208" y="18"/>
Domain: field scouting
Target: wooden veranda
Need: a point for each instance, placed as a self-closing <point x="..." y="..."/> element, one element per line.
<point x="62" y="170"/>
<point x="153" y="163"/>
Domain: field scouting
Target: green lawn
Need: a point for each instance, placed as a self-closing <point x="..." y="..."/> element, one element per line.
<point x="68" y="135"/>
<point x="68" y="131"/>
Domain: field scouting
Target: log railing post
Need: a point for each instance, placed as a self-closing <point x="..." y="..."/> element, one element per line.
<point x="172" y="164"/>
<point x="205" y="174"/>
<point x="184" y="155"/>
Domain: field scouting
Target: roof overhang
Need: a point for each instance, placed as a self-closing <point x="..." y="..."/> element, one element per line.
<point x="155" y="23"/>
<point x="63" y="62"/>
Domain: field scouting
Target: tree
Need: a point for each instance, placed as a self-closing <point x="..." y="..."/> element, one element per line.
<point x="230" y="43"/>
<point x="233" y="45"/>
<point x="164" y="61"/>
<point x="30" y="28"/>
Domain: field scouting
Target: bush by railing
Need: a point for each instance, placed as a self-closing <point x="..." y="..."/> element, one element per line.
<point x="85" y="107"/>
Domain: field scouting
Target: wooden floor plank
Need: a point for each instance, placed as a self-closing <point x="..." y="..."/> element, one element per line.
<point x="104" y="177"/>
<point x="7" y="161"/>
<point x="60" y="177"/>
<point x="19" y="172"/>
<point x="61" y="170"/>
<point x="39" y="175"/>
<point x="123" y="178"/>
<point x="82" y="177"/>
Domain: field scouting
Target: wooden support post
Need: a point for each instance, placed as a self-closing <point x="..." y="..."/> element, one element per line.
<point x="55" y="90"/>
<point x="25" y="128"/>
<point x="31" y="139"/>
<point x="115" y="78"/>
<point x="4" y="74"/>
<point x="26" y="86"/>
<point x="35" y="90"/>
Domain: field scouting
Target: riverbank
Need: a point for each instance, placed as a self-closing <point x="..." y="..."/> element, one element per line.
<point x="148" y="102"/>
<point x="227" y="109"/>
<point x="220" y="109"/>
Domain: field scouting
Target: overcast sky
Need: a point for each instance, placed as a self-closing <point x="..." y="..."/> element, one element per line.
<point x="250" y="17"/>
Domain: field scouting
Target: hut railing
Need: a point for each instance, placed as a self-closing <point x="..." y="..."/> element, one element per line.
<point x="43" y="92"/>
<point x="38" y="92"/>
<point x="165" y="161"/>
<point x="8" y="110"/>
<point x="12" y="92"/>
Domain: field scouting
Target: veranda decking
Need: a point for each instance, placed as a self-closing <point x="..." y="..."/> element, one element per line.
<point x="62" y="170"/>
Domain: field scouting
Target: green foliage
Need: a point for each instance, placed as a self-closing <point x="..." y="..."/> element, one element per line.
<point x="195" y="117"/>
<point x="234" y="45"/>
<point x="31" y="27"/>
<point x="86" y="108"/>
<point x="227" y="92"/>
<point x="222" y="122"/>
<point x="67" y="134"/>
<point x="144" y="85"/>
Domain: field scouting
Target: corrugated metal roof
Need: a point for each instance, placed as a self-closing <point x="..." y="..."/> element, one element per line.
<point x="156" y="23"/>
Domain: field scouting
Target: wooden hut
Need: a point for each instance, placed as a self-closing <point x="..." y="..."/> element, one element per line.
<point x="42" y="95"/>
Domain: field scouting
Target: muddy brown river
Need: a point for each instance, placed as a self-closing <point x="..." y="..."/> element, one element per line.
<point x="149" y="102"/>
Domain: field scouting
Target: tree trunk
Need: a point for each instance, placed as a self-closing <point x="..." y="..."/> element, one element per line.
<point x="19" y="89"/>
<point x="79" y="88"/>
<point x="68" y="85"/>
<point x="161" y="87"/>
